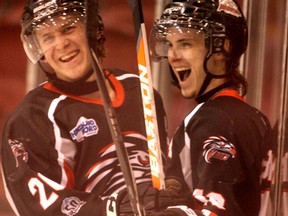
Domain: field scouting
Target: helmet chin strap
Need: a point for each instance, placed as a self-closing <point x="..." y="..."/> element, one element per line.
<point x="209" y="76"/>
<point x="205" y="84"/>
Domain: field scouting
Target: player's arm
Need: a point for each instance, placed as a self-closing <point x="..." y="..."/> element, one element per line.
<point x="32" y="192"/>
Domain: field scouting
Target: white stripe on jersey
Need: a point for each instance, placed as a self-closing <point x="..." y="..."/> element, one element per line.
<point x="126" y="76"/>
<point x="65" y="148"/>
<point x="185" y="153"/>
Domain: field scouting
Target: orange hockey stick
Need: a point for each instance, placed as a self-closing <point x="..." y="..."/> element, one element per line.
<point x="148" y="96"/>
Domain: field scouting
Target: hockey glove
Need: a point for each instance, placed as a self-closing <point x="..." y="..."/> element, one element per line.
<point x="174" y="211"/>
<point x="151" y="199"/>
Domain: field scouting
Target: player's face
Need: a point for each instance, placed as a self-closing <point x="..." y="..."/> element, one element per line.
<point x="65" y="49"/>
<point x="186" y="56"/>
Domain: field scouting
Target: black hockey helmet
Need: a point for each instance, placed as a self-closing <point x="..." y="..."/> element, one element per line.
<point x="217" y="19"/>
<point x="36" y="14"/>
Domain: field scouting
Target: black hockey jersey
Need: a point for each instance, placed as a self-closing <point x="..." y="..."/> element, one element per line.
<point x="58" y="156"/>
<point x="220" y="146"/>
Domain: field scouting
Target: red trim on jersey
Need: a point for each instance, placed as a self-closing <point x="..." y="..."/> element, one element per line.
<point x="70" y="176"/>
<point x="130" y="132"/>
<point x="118" y="87"/>
<point x="230" y="93"/>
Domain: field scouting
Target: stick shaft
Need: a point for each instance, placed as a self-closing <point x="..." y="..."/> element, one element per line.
<point x="117" y="138"/>
<point x="91" y="21"/>
<point x="147" y="93"/>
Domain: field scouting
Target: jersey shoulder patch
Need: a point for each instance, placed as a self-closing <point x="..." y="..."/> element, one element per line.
<point x="219" y="148"/>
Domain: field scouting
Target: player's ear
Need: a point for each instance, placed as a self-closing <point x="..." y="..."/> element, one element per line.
<point x="227" y="45"/>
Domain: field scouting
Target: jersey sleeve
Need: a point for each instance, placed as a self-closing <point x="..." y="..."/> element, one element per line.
<point x="31" y="193"/>
<point x="28" y="188"/>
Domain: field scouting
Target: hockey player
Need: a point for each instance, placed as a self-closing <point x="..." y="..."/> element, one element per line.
<point x="217" y="150"/>
<point x="57" y="153"/>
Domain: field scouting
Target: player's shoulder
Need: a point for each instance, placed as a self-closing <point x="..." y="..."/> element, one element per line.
<point x="40" y="92"/>
<point x="122" y="75"/>
<point x="34" y="101"/>
<point x="234" y="111"/>
<point x="221" y="110"/>
<point x="230" y="105"/>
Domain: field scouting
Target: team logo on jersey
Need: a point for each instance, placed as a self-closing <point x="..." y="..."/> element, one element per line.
<point x="18" y="151"/>
<point x="219" y="148"/>
<point x="71" y="206"/>
<point x="84" y="128"/>
<point x="108" y="165"/>
<point x="229" y="7"/>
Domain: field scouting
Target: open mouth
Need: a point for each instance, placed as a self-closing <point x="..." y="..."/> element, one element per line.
<point x="69" y="56"/>
<point x="184" y="74"/>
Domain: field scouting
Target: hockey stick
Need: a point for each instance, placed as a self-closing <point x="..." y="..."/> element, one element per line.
<point x="147" y="93"/>
<point x="91" y="19"/>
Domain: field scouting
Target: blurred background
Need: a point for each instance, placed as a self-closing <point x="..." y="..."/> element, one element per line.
<point x="264" y="65"/>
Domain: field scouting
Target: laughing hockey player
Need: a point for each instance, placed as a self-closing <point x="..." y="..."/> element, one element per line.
<point x="57" y="153"/>
<point x="217" y="151"/>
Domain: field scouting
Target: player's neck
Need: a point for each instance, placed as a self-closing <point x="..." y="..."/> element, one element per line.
<point x="97" y="94"/>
